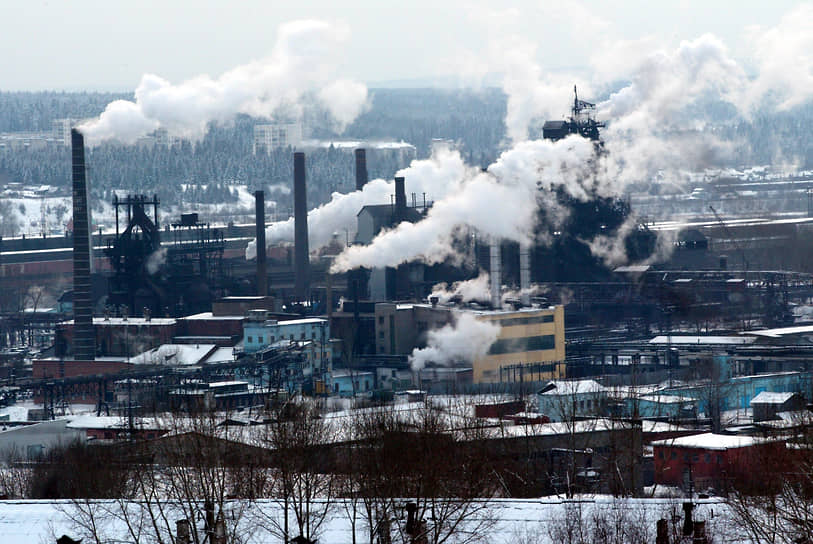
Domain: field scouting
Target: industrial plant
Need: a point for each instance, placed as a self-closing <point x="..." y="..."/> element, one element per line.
<point x="596" y="321"/>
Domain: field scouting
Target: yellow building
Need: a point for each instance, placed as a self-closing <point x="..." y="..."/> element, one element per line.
<point x="530" y="346"/>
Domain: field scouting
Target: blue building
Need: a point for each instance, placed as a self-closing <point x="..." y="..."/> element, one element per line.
<point x="259" y="332"/>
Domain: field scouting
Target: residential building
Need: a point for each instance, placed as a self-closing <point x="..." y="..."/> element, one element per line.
<point x="272" y="136"/>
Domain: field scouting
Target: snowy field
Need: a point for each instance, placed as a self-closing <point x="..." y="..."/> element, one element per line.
<point x="511" y="521"/>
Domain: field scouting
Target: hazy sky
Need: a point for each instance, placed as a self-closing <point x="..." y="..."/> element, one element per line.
<point x="108" y="45"/>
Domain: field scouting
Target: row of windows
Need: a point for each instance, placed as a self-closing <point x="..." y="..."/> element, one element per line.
<point x="511" y="321"/>
<point x="519" y="345"/>
<point x="272" y="339"/>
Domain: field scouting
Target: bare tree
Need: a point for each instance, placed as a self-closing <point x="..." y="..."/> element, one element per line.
<point x="301" y="478"/>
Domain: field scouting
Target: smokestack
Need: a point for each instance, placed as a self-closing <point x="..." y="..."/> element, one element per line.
<point x="262" y="272"/>
<point x="400" y="199"/>
<point x="84" y="337"/>
<point x="301" y="253"/>
<point x="524" y="275"/>
<point x="361" y="168"/>
<point x="495" y="273"/>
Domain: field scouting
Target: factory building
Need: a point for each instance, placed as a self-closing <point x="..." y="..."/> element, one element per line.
<point x="259" y="331"/>
<point x="530" y="346"/>
<point x="400" y="328"/>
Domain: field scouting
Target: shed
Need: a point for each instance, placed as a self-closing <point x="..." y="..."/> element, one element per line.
<point x="768" y="404"/>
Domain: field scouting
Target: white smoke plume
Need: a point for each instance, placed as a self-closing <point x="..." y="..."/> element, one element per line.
<point x="435" y="176"/>
<point x="467" y="290"/>
<point x="463" y="341"/>
<point x="302" y="62"/>
<point x="650" y="133"/>
<point x="784" y="60"/>
<point x="156" y="260"/>
<point x="500" y="204"/>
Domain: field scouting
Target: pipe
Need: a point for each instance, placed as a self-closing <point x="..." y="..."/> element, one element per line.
<point x="400" y="199"/>
<point x="84" y="337"/>
<point x="495" y="274"/>
<point x="361" y="169"/>
<point x="301" y="252"/>
<point x="524" y="275"/>
<point x="262" y="266"/>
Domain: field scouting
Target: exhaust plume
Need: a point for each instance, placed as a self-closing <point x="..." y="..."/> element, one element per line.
<point x="468" y="290"/>
<point x="651" y="134"/>
<point x="435" y="176"/>
<point x="500" y="203"/>
<point x="464" y="341"/>
<point x="301" y="65"/>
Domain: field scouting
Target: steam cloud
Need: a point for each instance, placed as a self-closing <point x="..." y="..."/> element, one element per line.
<point x="435" y="176"/>
<point x="465" y="340"/>
<point x="467" y="290"/>
<point x="301" y="64"/>
<point x="156" y="260"/>
<point x="650" y="133"/>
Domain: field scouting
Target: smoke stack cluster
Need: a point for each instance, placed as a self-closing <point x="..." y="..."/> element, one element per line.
<point x="361" y="169"/>
<point x="301" y="252"/>
<point x="84" y="337"/>
<point x="262" y="271"/>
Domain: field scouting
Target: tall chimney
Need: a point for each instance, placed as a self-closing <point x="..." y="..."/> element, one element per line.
<point x="84" y="337"/>
<point x="262" y="271"/>
<point x="400" y="199"/>
<point x="524" y="274"/>
<point x="361" y="168"/>
<point x="301" y="253"/>
<point x="495" y="273"/>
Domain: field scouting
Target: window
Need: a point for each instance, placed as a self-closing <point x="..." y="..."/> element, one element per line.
<point x="673" y="455"/>
<point x="250" y="340"/>
<point x="660" y="454"/>
<point x="707" y="458"/>
<point x="259" y="339"/>
<point x="517" y="345"/>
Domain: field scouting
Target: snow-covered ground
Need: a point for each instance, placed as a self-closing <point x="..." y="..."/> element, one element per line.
<point x="510" y="521"/>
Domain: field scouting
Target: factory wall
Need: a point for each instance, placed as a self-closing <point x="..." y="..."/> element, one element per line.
<point x="400" y="328"/>
<point x="530" y="346"/>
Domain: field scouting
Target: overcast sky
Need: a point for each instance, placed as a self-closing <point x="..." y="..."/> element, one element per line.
<point x="108" y="45"/>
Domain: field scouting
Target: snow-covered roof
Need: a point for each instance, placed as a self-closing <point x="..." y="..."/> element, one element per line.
<point x="572" y="387"/>
<point x="711" y="441"/>
<point x="779" y="333"/>
<point x="667" y="399"/>
<point x="701" y="340"/>
<point x="111" y="422"/>
<point x="175" y="354"/>
<point x="208" y="316"/>
<point x="129" y="321"/>
<point x="769" y="397"/>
